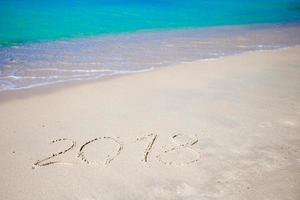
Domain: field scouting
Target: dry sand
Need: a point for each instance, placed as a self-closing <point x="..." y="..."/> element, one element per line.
<point x="221" y="129"/>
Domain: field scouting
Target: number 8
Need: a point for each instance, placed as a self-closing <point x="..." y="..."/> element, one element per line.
<point x="187" y="145"/>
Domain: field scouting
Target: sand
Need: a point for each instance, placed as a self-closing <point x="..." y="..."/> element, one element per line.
<point x="216" y="129"/>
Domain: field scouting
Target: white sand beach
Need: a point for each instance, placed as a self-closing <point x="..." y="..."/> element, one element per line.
<point x="217" y="129"/>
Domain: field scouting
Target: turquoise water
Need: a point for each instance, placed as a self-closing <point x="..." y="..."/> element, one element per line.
<point x="45" y="42"/>
<point x="27" y="21"/>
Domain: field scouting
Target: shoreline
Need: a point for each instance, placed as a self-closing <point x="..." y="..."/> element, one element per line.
<point x="52" y="88"/>
<point x="43" y="64"/>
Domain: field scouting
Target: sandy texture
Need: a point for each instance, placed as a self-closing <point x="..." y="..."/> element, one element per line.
<point x="219" y="129"/>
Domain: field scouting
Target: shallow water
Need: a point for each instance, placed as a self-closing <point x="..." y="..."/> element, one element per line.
<point x="30" y="65"/>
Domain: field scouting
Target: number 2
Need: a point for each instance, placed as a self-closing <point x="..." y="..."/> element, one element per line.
<point x="42" y="163"/>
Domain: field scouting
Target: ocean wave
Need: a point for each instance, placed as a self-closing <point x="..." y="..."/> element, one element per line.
<point x="28" y="66"/>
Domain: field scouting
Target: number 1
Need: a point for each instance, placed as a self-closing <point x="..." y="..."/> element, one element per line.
<point x="149" y="147"/>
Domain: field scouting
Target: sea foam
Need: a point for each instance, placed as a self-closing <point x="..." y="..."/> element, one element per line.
<point x="30" y="65"/>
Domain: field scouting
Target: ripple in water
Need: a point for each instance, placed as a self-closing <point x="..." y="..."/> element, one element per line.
<point x="39" y="64"/>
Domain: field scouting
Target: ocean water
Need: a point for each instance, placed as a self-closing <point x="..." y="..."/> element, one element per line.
<point x="23" y="21"/>
<point x="46" y="42"/>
